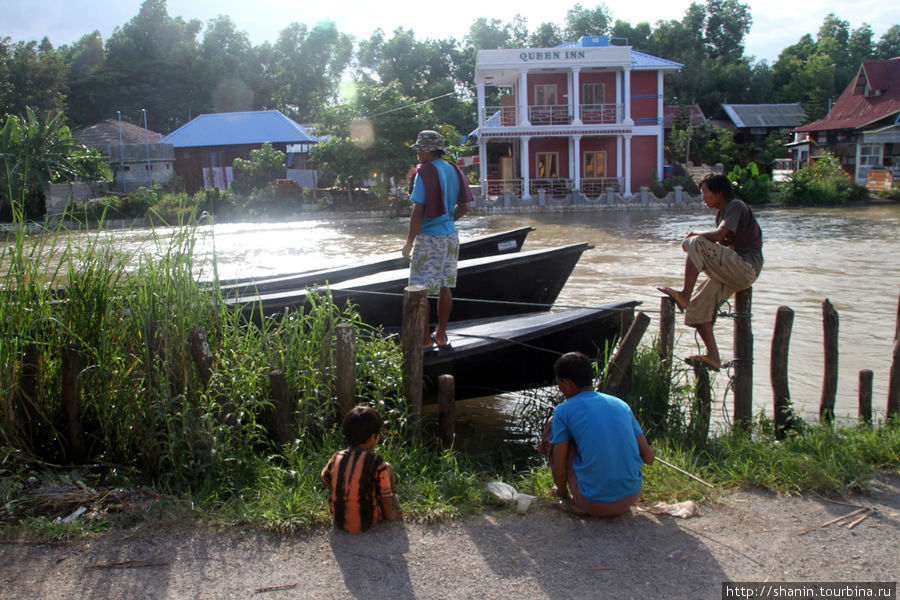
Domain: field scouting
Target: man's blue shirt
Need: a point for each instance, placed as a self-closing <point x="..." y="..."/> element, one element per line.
<point x="449" y="177"/>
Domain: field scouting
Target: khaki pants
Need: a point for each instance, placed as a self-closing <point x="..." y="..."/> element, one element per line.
<point x="726" y="274"/>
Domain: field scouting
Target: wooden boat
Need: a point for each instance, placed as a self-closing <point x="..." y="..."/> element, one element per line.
<point x="517" y="352"/>
<point x="491" y="286"/>
<point x="504" y="242"/>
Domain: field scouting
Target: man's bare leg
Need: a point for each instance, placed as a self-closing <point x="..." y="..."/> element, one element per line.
<point x="444" y="305"/>
<point x="705" y="330"/>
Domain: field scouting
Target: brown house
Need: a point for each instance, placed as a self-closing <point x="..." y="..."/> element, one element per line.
<point x="863" y="128"/>
<point x="205" y="147"/>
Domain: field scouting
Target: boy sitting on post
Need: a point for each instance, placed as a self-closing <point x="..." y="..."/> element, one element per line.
<point x="362" y="483"/>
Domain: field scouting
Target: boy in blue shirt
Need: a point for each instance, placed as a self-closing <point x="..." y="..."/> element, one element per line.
<point x="596" y="447"/>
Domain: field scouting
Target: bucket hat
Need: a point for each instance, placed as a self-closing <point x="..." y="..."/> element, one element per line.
<point x="429" y="141"/>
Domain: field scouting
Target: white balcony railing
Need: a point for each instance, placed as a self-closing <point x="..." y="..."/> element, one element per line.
<point x="594" y="186"/>
<point x="549" y="114"/>
<point x="496" y="187"/>
<point x="593" y="114"/>
<point x="554" y="115"/>
<point x="553" y="187"/>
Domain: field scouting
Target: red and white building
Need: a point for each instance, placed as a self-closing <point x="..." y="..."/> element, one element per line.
<point x="584" y="117"/>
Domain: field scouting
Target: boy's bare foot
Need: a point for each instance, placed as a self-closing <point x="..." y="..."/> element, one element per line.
<point x="701" y="360"/>
<point x="677" y="296"/>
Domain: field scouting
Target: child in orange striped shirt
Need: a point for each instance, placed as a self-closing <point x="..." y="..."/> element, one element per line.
<point x="362" y="483"/>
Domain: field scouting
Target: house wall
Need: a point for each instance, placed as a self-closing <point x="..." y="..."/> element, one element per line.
<point x="557" y="79"/>
<point x="602" y="144"/>
<point x="644" y="96"/>
<point x="190" y="162"/>
<point x="607" y="78"/>
<point x="643" y="161"/>
<point x="558" y="145"/>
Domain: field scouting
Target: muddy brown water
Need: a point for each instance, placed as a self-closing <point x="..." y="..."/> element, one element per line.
<point x="848" y="255"/>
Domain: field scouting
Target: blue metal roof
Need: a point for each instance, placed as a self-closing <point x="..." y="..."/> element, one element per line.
<point x="648" y="61"/>
<point x="237" y="128"/>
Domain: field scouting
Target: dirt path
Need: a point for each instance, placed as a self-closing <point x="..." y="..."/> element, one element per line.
<point x="748" y="536"/>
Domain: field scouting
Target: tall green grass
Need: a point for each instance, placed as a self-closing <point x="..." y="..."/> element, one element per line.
<point x="148" y="417"/>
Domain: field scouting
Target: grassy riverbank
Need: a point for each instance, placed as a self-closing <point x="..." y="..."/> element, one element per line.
<point x="148" y="419"/>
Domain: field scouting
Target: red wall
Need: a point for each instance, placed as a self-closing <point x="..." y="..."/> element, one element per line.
<point x="643" y="162"/>
<point x="606" y="78"/>
<point x="644" y="83"/>
<point x="601" y="144"/>
<point x="559" y="79"/>
<point x="559" y="145"/>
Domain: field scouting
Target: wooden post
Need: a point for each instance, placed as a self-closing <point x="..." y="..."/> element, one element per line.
<point x="279" y="420"/>
<point x="617" y="370"/>
<point x="666" y="330"/>
<point x="701" y="408"/>
<point x="893" y="399"/>
<point x="865" y="395"/>
<point x="743" y="359"/>
<point x="626" y="318"/>
<point x="415" y="309"/>
<point x="778" y="370"/>
<point x="829" y="385"/>
<point x="345" y="369"/>
<point x="446" y="408"/>
<point x="202" y="356"/>
<point x="71" y="402"/>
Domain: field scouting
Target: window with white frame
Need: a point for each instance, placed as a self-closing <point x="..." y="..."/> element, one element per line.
<point x="594" y="164"/>
<point x="545" y="94"/>
<point x="870" y="155"/>
<point x="593" y="93"/>
<point x="547" y="165"/>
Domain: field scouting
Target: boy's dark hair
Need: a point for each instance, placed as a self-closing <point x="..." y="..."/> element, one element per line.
<point x="717" y="183"/>
<point x="359" y="424"/>
<point x="575" y="366"/>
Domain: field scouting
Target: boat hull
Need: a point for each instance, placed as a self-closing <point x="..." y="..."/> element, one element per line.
<point x="486" y="287"/>
<point x="513" y="353"/>
<point x="505" y="242"/>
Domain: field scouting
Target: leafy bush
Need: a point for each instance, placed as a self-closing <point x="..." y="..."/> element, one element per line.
<point x="823" y="182"/>
<point x="264" y="165"/>
<point x="661" y="188"/>
<point x="749" y="184"/>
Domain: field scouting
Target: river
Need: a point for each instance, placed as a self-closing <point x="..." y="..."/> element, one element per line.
<point x="848" y="255"/>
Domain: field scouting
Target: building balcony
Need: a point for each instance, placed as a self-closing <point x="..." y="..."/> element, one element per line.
<point x="553" y="115"/>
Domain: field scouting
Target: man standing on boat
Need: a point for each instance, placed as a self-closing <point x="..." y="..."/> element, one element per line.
<point x="440" y="196"/>
<point x="730" y="255"/>
<point x="594" y="445"/>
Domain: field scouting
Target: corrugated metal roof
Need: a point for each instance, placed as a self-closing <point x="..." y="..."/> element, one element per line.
<point x="106" y="133"/>
<point x="238" y="128"/>
<point x="642" y="60"/>
<point x="765" y="115"/>
<point x="854" y="109"/>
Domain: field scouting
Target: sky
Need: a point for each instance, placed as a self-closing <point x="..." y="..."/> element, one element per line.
<point x="776" y="23"/>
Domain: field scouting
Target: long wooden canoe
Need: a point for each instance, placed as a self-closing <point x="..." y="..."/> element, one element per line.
<point x="517" y="352"/>
<point x="504" y="242"/>
<point x="491" y="286"/>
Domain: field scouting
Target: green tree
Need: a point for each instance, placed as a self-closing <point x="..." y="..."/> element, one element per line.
<point x="372" y="135"/>
<point x="889" y="44"/>
<point x="31" y="74"/>
<point x="582" y="21"/>
<point x="87" y="61"/>
<point x="546" y="35"/>
<point x="35" y="152"/>
<point x="265" y="164"/>
<point x="306" y="66"/>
